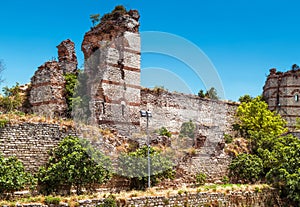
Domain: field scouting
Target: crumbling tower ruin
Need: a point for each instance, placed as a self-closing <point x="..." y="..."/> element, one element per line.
<point x="282" y="93"/>
<point x="112" y="64"/>
<point x="47" y="93"/>
<point x="67" y="59"/>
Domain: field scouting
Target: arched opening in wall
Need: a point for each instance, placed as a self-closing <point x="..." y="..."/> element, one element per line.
<point x="296" y="98"/>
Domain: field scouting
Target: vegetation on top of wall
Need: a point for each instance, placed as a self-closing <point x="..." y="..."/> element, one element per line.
<point x="211" y="94"/>
<point x="119" y="9"/>
<point x="73" y="163"/>
<point x="276" y="156"/>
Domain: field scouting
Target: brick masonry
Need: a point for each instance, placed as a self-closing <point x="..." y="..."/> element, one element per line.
<point x="282" y="93"/>
<point x="265" y="198"/>
<point x="31" y="142"/>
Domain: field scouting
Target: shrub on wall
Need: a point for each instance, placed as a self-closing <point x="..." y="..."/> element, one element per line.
<point x="200" y="179"/>
<point x="71" y="81"/>
<point x="163" y="131"/>
<point x="74" y="162"/>
<point x="187" y="129"/>
<point x="12" y="175"/>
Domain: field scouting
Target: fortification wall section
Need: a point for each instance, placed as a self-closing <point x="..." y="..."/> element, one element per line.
<point x="31" y="142"/>
<point x="265" y="198"/>
<point x="212" y="118"/>
<point x="282" y="93"/>
<point x="112" y="65"/>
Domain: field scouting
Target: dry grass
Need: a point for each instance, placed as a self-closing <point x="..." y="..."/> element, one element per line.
<point x="20" y="118"/>
<point x="123" y="195"/>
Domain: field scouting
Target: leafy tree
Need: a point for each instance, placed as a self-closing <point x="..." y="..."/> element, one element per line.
<point x="245" y="99"/>
<point x="74" y="162"/>
<point x="95" y="18"/>
<point x="212" y="94"/>
<point x="246" y="167"/>
<point x="12" y="175"/>
<point x="254" y="116"/>
<point x="285" y="171"/>
<point x="134" y="166"/>
<point x="280" y="155"/>
<point x="12" y="100"/>
<point x="187" y="129"/>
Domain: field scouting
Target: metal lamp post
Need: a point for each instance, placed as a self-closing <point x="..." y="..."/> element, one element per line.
<point x="147" y="114"/>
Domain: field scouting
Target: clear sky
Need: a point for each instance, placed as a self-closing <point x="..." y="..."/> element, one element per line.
<point x="243" y="39"/>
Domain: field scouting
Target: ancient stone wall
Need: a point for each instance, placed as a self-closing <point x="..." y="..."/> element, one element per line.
<point x="67" y="59"/>
<point x="112" y="64"/>
<point x="265" y="198"/>
<point x="47" y="92"/>
<point x="31" y="142"/>
<point x="282" y="93"/>
<point x="212" y="120"/>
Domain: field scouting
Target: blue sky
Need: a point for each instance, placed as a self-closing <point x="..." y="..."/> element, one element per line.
<point x="243" y="39"/>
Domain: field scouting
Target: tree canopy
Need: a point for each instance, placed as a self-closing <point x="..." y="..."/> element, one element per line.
<point x="74" y="162"/>
<point x="276" y="156"/>
<point x="254" y="116"/>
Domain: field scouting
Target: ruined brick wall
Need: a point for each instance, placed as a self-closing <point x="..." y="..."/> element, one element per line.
<point x="282" y="93"/>
<point x="31" y="142"/>
<point x="67" y="59"/>
<point x="265" y="198"/>
<point x="47" y="93"/>
<point x="212" y="118"/>
<point x="112" y="65"/>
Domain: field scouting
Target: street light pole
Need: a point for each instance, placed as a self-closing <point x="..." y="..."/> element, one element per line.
<point x="148" y="114"/>
<point x="148" y="143"/>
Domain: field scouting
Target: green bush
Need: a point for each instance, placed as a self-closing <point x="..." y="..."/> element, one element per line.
<point x="134" y="166"/>
<point x="110" y="201"/>
<point x="71" y="82"/>
<point x="74" y="162"/>
<point x="187" y="129"/>
<point x="246" y="167"/>
<point x="200" y="178"/>
<point x="51" y="200"/>
<point x="285" y="171"/>
<point x="12" y="175"/>
<point x="163" y="131"/>
<point x="228" y="138"/>
<point x="225" y="180"/>
<point x="3" y="122"/>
